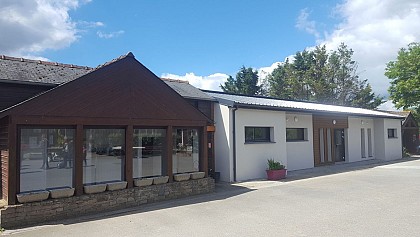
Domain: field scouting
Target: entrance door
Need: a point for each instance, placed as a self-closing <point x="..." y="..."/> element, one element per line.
<point x="340" y="148"/>
<point x="331" y="146"/>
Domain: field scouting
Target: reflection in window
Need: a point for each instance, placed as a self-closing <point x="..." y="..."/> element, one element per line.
<point x="148" y="146"/>
<point x="46" y="158"/>
<point x="258" y="134"/>
<point x="185" y="150"/>
<point x="103" y="155"/>
<point x="296" y="134"/>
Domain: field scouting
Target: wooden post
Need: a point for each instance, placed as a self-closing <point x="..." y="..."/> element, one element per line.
<point x="204" y="151"/>
<point x="128" y="163"/>
<point x="169" y="150"/>
<point x="13" y="178"/>
<point x="78" y="161"/>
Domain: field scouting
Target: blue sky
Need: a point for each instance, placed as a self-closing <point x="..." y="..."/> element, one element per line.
<point x="205" y="41"/>
<point x="200" y="36"/>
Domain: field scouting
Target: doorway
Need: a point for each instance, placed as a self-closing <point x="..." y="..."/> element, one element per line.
<point x="332" y="146"/>
<point x="340" y="147"/>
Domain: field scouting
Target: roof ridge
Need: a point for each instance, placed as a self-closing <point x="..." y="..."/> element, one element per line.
<point x="174" y="80"/>
<point x="10" y="58"/>
<point x="129" y="54"/>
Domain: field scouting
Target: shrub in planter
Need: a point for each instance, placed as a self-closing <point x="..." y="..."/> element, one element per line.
<point x="276" y="170"/>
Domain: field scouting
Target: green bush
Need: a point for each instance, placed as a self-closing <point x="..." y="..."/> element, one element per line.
<point x="275" y="165"/>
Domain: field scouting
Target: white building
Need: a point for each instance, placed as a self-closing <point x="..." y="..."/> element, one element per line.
<point x="251" y="129"/>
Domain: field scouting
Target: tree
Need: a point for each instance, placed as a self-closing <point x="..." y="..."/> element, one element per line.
<point x="404" y="74"/>
<point x="246" y="82"/>
<point x="317" y="75"/>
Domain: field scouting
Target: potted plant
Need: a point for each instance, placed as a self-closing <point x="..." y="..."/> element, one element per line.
<point x="276" y="170"/>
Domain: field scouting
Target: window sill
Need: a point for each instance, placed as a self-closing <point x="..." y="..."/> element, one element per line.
<point x="297" y="140"/>
<point x="259" y="143"/>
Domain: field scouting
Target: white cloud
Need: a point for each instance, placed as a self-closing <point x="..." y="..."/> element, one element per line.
<point x="33" y="26"/>
<point x="211" y="82"/>
<point x="90" y="24"/>
<point x="110" y="34"/>
<point x="303" y="23"/>
<point x="376" y="30"/>
<point x="388" y="106"/>
<point x="264" y="71"/>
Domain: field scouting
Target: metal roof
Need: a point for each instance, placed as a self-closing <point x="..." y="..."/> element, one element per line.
<point x="258" y="102"/>
<point x="186" y="90"/>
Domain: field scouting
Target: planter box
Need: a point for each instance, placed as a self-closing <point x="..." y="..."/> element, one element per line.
<point x="33" y="196"/>
<point x="276" y="174"/>
<point x="143" y="182"/>
<point x="61" y="192"/>
<point x="116" y="185"/>
<point x="181" y="177"/>
<point x="160" y="180"/>
<point x="197" y="175"/>
<point x="96" y="188"/>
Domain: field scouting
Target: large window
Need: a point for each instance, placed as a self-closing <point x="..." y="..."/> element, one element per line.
<point x="185" y="156"/>
<point x="392" y="133"/>
<point x="296" y="134"/>
<point x="103" y="155"/>
<point x="258" y="134"/>
<point x="148" y="147"/>
<point x="46" y="158"/>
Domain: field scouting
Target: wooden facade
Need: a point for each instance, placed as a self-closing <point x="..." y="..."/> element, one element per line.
<point x="122" y="94"/>
<point x="326" y="124"/>
<point x="410" y="134"/>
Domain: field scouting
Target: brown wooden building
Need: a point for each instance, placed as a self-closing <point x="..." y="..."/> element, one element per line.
<point x="410" y="131"/>
<point x="117" y="122"/>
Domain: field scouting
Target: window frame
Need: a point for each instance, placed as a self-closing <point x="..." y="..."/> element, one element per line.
<point x="304" y="135"/>
<point x="394" y="133"/>
<point x="268" y="138"/>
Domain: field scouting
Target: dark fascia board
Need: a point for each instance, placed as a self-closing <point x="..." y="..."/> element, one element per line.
<point x="28" y="83"/>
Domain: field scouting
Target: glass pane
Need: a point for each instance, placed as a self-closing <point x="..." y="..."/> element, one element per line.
<point x="148" y="147"/>
<point x="46" y="158"/>
<point x="362" y="139"/>
<point x="369" y="133"/>
<point x="249" y="134"/>
<point x="104" y="152"/>
<point x="185" y="156"/>
<point x="321" y="144"/>
<point x="295" y="134"/>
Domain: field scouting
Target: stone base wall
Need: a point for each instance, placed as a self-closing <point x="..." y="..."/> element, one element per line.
<point x="57" y="209"/>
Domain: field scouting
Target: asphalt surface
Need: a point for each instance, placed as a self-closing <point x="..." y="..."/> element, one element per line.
<point x="363" y="199"/>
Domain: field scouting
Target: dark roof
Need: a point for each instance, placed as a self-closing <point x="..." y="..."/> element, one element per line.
<point x="405" y="114"/>
<point x="186" y="90"/>
<point x="36" y="71"/>
<point x="260" y="102"/>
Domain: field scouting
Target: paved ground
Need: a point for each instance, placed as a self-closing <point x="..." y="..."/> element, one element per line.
<point x="363" y="199"/>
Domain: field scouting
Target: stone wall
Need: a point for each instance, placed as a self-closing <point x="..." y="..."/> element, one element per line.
<point x="57" y="209"/>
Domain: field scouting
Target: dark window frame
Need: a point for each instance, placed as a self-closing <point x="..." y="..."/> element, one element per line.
<point x="392" y="133"/>
<point x="302" y="135"/>
<point x="252" y="134"/>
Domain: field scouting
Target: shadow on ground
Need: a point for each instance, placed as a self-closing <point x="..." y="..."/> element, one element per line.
<point x="225" y="190"/>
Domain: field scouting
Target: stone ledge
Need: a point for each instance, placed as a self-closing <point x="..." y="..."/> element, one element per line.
<point x="181" y="177"/>
<point x="95" y="188"/>
<point x="61" y="192"/>
<point x="198" y="175"/>
<point x="143" y="182"/>
<point x="160" y="180"/>
<point x="116" y="185"/>
<point x="33" y="196"/>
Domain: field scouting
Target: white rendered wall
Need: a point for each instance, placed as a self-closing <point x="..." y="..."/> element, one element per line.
<point x="251" y="159"/>
<point x="300" y="154"/>
<point x="393" y="146"/>
<point x="354" y="143"/>
<point x="223" y="142"/>
<point x="387" y="148"/>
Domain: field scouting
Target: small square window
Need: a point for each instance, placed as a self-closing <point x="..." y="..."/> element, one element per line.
<point x="257" y="134"/>
<point x="392" y="133"/>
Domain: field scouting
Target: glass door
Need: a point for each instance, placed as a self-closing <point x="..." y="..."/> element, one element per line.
<point x="340" y="148"/>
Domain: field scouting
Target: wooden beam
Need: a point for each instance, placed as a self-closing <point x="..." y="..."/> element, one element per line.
<point x="169" y="150"/>
<point x="13" y="163"/>
<point x="128" y="161"/>
<point x="78" y="161"/>
<point x="204" y="152"/>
